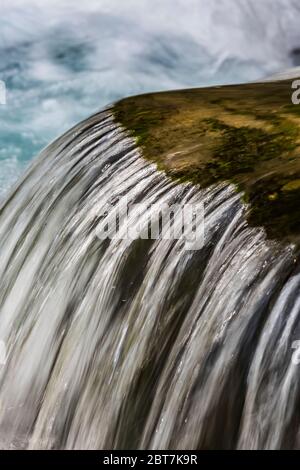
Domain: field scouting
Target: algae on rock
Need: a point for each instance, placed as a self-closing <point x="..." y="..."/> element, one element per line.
<point x="248" y="135"/>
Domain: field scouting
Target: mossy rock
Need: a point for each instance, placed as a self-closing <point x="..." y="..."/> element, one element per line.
<point x="248" y="135"/>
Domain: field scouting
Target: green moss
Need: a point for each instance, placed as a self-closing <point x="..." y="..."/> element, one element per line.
<point x="241" y="147"/>
<point x="293" y="185"/>
<point x="283" y="211"/>
<point x="248" y="135"/>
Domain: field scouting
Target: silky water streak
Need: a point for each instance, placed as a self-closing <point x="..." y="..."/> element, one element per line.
<point x="118" y="343"/>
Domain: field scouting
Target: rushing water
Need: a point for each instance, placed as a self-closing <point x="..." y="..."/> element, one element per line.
<point x="140" y="343"/>
<point x="62" y="60"/>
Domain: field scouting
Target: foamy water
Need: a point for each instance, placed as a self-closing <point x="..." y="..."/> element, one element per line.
<point x="63" y="60"/>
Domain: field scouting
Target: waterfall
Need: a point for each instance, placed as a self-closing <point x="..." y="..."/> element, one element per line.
<point x="121" y="344"/>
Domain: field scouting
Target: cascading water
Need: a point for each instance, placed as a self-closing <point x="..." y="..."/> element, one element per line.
<point x="62" y="60"/>
<point x="140" y="343"/>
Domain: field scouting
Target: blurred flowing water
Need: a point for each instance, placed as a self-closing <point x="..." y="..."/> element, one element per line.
<point x="140" y="343"/>
<point x="63" y="60"/>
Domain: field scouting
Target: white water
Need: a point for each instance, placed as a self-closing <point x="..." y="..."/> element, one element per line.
<point x="139" y="344"/>
<point x="62" y="60"/>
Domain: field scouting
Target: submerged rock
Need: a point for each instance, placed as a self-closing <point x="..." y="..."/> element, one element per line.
<point x="248" y="135"/>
